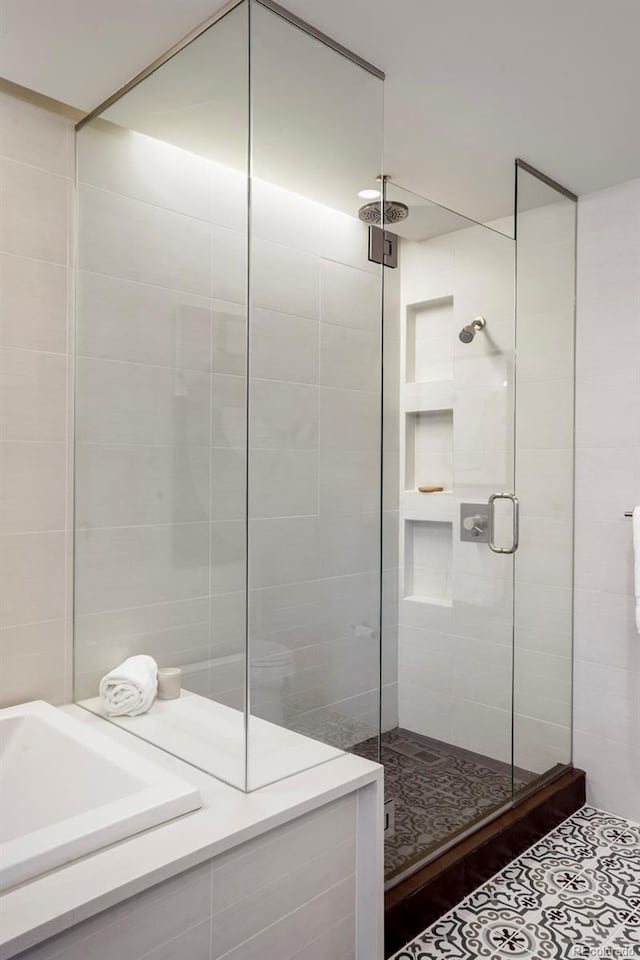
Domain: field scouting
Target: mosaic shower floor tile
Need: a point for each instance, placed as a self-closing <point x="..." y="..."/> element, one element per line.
<point x="438" y="790"/>
<point x="575" y="894"/>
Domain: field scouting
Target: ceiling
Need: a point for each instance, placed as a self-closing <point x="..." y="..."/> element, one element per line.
<point x="470" y="83"/>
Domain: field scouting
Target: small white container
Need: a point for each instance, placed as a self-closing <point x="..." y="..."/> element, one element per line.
<point x="169" y="683"/>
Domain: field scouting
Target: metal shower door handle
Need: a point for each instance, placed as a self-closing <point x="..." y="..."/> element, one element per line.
<point x="516" y="522"/>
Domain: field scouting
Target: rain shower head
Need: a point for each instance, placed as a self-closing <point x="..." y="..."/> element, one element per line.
<point x="394" y="212"/>
<point x="468" y="333"/>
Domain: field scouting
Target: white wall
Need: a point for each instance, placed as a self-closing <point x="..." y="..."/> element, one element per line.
<point x="607" y="646"/>
<point x="36" y="168"/>
<point x="455" y="639"/>
<point x="160" y="410"/>
<point x="315" y="369"/>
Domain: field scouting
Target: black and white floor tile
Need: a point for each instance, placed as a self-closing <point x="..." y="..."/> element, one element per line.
<point x="575" y="894"/>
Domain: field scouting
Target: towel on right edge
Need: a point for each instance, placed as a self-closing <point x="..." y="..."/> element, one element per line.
<point x="635" y="520"/>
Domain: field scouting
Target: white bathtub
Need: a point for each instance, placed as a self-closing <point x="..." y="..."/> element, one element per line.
<point x="67" y="790"/>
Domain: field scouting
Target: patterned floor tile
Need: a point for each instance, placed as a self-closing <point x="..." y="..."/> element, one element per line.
<point x="567" y="926"/>
<point x="595" y="827"/>
<point x="571" y="895"/>
<point x="579" y="845"/>
<point x="625" y="943"/>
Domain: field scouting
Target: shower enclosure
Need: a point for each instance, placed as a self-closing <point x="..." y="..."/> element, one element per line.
<point x="257" y="403"/>
<point x="480" y="672"/>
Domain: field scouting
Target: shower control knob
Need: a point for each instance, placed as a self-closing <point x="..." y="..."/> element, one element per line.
<point x="475" y="524"/>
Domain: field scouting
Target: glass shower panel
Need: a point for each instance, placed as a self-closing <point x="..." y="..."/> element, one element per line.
<point x="160" y="401"/>
<point x="314" y="403"/>
<point x="448" y="755"/>
<point x="545" y="245"/>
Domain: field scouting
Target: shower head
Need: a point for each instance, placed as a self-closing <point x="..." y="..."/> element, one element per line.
<point x="468" y="333"/>
<point x="394" y="212"/>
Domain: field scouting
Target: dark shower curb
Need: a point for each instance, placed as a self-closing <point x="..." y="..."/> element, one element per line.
<point x="432" y="891"/>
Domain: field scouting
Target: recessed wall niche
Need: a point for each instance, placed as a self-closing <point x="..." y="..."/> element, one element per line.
<point x="429" y="449"/>
<point x="430" y="341"/>
<point x="427" y="562"/>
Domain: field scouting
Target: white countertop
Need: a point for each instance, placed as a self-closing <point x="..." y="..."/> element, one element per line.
<point x="57" y="900"/>
<point x="211" y="736"/>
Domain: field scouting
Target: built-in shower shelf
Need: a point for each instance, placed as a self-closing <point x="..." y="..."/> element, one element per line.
<point x="429" y="340"/>
<point x="428" y="560"/>
<point x="437" y="507"/>
<point x="427" y="397"/>
<point x="428" y="450"/>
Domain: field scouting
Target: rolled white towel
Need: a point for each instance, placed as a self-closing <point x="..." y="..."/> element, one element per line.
<point x="129" y="689"/>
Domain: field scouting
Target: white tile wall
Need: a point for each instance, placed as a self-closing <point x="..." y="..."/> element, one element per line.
<point x="182" y="181"/>
<point x="123" y="567"/>
<point x="348" y="298"/>
<point x="607" y="645"/>
<point x="33" y="300"/>
<point x="160" y="398"/>
<point x="454" y="650"/>
<point x="35" y="208"/>
<point x="288" y="894"/>
<point x="139" y="323"/>
<point x="284" y="347"/>
<point x="284" y="416"/>
<point x="314" y="465"/>
<point x="429" y="341"/>
<point x="124" y="238"/>
<point x="36" y="166"/>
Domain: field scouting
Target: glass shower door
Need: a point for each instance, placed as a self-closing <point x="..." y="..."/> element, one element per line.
<point x="448" y="763"/>
<point x="486" y="516"/>
<point x="545" y="245"/>
<point x="484" y="487"/>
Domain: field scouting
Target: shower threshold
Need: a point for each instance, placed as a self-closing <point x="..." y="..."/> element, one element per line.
<point x="470" y="859"/>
